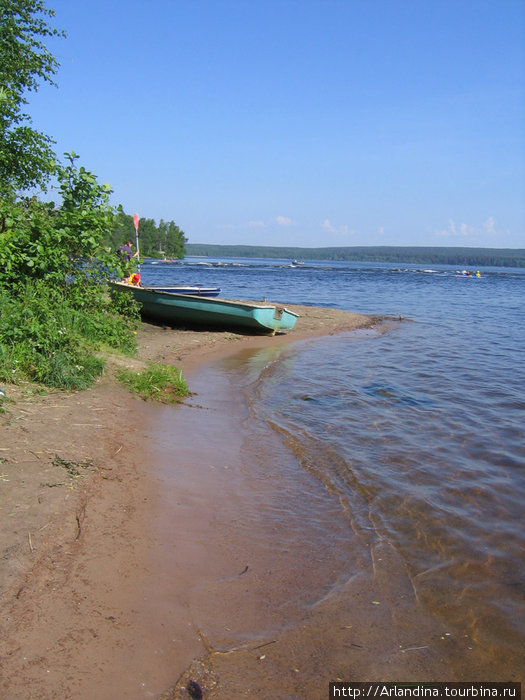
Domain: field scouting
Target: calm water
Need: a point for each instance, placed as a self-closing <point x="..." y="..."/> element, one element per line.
<point x="417" y="432"/>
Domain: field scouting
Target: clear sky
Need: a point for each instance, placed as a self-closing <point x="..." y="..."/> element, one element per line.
<point x="300" y="122"/>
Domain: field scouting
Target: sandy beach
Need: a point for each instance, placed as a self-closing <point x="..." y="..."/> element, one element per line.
<point x="94" y="599"/>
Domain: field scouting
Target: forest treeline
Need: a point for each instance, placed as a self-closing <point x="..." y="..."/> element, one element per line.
<point x="462" y="257"/>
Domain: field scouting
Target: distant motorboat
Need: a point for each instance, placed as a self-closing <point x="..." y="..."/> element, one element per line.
<point x="468" y="275"/>
<point x="297" y="262"/>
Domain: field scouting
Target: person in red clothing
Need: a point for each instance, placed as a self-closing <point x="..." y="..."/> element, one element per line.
<point x="134" y="278"/>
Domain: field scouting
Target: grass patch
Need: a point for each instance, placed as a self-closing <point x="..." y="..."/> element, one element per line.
<point x="73" y="468"/>
<point x="48" y="337"/>
<point x="160" y="382"/>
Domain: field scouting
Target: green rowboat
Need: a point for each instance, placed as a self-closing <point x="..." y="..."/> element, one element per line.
<point x="209" y="312"/>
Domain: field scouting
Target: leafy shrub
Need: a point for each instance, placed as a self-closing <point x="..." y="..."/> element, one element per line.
<point x="63" y="245"/>
<point x="44" y="338"/>
<point x="55" y="307"/>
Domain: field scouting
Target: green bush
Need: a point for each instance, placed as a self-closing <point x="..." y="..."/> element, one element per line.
<point x="44" y="338"/>
<point x="63" y="245"/>
<point x="56" y="311"/>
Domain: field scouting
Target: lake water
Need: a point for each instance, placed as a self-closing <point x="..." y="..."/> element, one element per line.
<point x="416" y="435"/>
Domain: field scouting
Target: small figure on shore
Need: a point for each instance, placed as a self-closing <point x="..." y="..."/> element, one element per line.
<point x="126" y="255"/>
<point x="126" y="251"/>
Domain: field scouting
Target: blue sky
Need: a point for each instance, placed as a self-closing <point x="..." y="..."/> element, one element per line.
<point x="300" y="122"/>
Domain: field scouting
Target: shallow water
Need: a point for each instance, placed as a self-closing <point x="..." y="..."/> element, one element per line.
<point x="404" y="459"/>
<point x="422" y="462"/>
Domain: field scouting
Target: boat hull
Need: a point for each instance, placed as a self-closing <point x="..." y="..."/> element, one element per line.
<point x="194" y="291"/>
<point x="208" y="312"/>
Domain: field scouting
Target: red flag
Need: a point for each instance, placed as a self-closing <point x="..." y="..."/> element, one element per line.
<point x="136" y="222"/>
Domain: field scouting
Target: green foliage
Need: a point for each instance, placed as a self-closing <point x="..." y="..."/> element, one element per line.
<point x="159" y="382"/>
<point x="26" y="240"/>
<point x="155" y="241"/>
<point x="125" y="305"/>
<point x="63" y="245"/>
<point x="82" y="223"/>
<point x="85" y="214"/>
<point x="45" y="339"/>
<point x="55" y="308"/>
<point x="26" y="155"/>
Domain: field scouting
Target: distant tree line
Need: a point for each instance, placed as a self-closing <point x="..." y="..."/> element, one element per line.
<point x="164" y="239"/>
<point x="462" y="257"/>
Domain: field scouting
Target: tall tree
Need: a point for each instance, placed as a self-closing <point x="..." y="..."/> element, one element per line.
<point x="175" y="241"/>
<point x="26" y="155"/>
<point x="165" y="239"/>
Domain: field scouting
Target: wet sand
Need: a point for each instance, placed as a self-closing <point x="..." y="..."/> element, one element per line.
<point x="281" y="594"/>
<point x="100" y="595"/>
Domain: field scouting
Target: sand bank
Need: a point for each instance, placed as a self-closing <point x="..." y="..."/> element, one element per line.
<point x="86" y="612"/>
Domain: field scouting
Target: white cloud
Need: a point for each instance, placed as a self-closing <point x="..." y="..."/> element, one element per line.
<point x="463" y="230"/>
<point x="490" y="226"/>
<point x="254" y="224"/>
<point x="343" y="230"/>
<point x="466" y="230"/>
<point x="285" y="221"/>
<point x="450" y="231"/>
<point x="479" y="234"/>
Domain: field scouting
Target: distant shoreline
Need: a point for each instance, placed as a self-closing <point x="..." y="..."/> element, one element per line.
<point x="462" y="257"/>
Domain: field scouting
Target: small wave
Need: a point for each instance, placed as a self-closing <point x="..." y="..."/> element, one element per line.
<point x="397" y="396"/>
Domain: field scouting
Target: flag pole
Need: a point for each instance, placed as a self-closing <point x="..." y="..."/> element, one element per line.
<point x="136" y="224"/>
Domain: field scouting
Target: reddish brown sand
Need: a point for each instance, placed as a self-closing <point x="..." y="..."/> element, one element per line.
<point x="84" y="609"/>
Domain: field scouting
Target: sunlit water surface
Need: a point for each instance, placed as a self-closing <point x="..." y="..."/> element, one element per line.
<point x="417" y="432"/>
